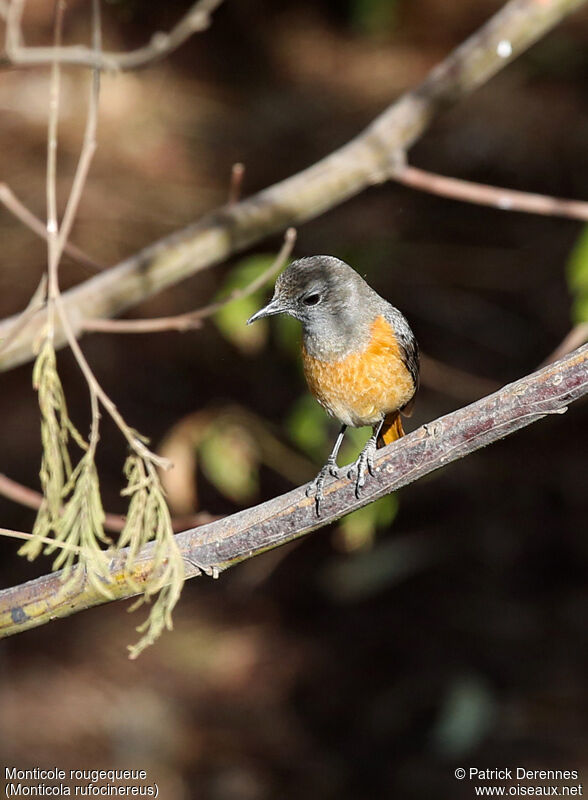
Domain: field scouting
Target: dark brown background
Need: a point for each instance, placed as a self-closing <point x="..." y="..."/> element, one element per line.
<point x="469" y="649"/>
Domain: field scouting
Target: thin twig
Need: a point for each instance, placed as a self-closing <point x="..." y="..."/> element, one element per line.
<point x="20" y="494"/>
<point x="196" y="19"/>
<point x="181" y="322"/>
<point x="229" y="541"/>
<point x="13" y="39"/>
<point x="89" y="141"/>
<point x="367" y="159"/>
<point x="193" y="319"/>
<point x="236" y="184"/>
<point x="11" y="202"/>
<point x="494" y="196"/>
<point x="57" y="237"/>
<point x="21" y="535"/>
<point x="25" y="496"/>
<point x="51" y="179"/>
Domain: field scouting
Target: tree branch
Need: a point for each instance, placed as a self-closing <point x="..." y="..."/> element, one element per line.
<point x="25" y="496"/>
<point x="193" y="319"/>
<point x="369" y="159"/>
<point x="236" y="183"/>
<point x="494" y="196"/>
<point x="233" y="539"/>
<point x="11" y="202"/>
<point x="197" y="19"/>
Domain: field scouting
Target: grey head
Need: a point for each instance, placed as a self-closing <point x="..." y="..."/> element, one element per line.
<point x="332" y="301"/>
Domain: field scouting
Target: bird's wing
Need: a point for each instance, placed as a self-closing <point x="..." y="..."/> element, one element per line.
<point x="409" y="349"/>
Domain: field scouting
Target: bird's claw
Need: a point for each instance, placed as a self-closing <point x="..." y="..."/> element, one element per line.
<point x="365" y="463"/>
<point x="334" y="470"/>
<point x="317" y="485"/>
<point x="359" y="470"/>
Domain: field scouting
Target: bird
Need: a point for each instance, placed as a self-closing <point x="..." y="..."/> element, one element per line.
<point x="359" y="354"/>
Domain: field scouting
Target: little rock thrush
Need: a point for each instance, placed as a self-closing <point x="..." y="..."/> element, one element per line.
<point x="359" y="354"/>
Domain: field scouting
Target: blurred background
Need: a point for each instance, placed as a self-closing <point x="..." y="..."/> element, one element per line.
<point x="444" y="626"/>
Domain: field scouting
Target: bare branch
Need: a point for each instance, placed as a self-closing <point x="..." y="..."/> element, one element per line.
<point x="89" y="141"/>
<point x="26" y="536"/>
<point x="236" y="185"/>
<point x="193" y="319"/>
<point x="57" y="237"/>
<point x="180" y="322"/>
<point x="241" y="536"/>
<point x="367" y="159"/>
<point x="195" y="20"/>
<point x="13" y="25"/>
<point x="19" y="493"/>
<point x="11" y="202"/>
<point x="494" y="196"/>
<point x="51" y="176"/>
<point x="25" y="496"/>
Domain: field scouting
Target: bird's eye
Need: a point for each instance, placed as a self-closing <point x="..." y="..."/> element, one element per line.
<point x="311" y="299"/>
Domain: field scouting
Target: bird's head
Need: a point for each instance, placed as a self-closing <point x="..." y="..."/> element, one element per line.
<point x="315" y="290"/>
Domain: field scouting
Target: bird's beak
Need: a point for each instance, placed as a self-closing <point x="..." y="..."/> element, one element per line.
<point x="273" y="307"/>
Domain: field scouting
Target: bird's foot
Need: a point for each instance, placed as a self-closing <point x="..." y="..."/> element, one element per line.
<point x="318" y="484"/>
<point x="363" y="465"/>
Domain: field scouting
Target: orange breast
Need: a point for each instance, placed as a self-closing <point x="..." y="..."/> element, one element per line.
<point x="364" y="386"/>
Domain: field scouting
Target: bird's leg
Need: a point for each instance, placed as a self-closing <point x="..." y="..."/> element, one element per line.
<point x="330" y="468"/>
<point x="365" y="460"/>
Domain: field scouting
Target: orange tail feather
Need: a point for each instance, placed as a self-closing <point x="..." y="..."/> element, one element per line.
<point x="391" y="430"/>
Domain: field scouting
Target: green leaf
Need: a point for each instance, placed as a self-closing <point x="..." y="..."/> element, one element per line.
<point x="353" y="444"/>
<point x="231" y="320"/>
<point x="374" y="17"/>
<point x="350" y="579"/>
<point x="580" y="308"/>
<point x="358" y="529"/>
<point x="577" y="274"/>
<point x="466" y="714"/>
<point x="288" y="336"/>
<point x="308" y="427"/>
<point x="230" y="460"/>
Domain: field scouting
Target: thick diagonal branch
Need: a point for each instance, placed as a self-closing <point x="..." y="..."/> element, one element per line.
<point x="228" y="541"/>
<point x="368" y="159"/>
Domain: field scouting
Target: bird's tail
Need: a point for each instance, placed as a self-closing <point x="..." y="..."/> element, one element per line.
<point x="391" y="429"/>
